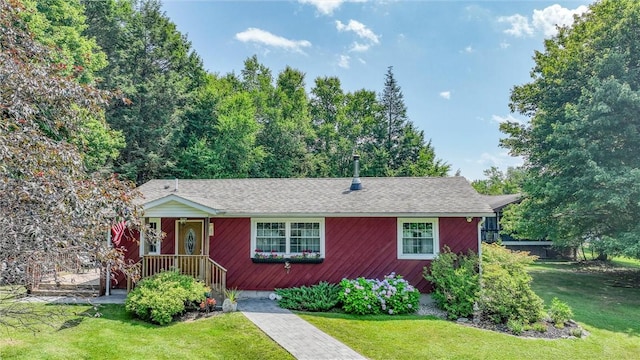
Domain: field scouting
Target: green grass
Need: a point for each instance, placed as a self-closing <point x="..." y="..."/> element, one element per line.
<point x="116" y="335"/>
<point x="597" y="295"/>
<point x="610" y="314"/>
<point x="10" y="292"/>
<point x="626" y="262"/>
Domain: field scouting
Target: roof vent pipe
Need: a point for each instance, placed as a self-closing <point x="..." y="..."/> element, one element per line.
<point x="355" y="183"/>
<point x="176" y="188"/>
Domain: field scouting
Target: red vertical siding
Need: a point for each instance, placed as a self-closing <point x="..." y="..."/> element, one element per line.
<point x="169" y="242"/>
<point x="129" y="245"/>
<point x="459" y="234"/>
<point x="354" y="247"/>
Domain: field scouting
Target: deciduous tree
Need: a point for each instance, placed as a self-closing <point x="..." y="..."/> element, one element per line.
<point x="499" y="182"/>
<point x="50" y="205"/>
<point x="580" y="145"/>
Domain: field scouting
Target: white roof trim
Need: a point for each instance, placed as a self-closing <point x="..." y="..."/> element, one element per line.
<point x="354" y="214"/>
<point x="173" y="197"/>
<point x="528" y="242"/>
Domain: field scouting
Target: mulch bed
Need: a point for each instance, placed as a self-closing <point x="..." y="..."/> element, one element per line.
<point x="485" y="324"/>
<point x="552" y="332"/>
<point x="194" y="315"/>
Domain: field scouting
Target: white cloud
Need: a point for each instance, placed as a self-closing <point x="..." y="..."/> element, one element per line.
<point x="503" y="119"/>
<point x="357" y="47"/>
<point x="359" y="28"/>
<point x="445" y="95"/>
<point x="504" y="45"/>
<point x="468" y="49"/>
<point x="547" y="19"/>
<point x="266" y="38"/>
<point x="344" y="61"/>
<point x="519" y="25"/>
<point x="326" y="7"/>
<point x="362" y="61"/>
<point x="544" y="21"/>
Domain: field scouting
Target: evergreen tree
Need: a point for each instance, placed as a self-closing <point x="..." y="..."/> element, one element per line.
<point x="393" y="120"/>
<point x="153" y="66"/>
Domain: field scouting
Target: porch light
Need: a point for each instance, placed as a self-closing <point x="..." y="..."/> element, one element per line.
<point x="183" y="221"/>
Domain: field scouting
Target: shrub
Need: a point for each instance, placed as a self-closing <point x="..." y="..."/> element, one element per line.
<point x="516" y="326"/>
<point x="319" y="297"/>
<point x="506" y="292"/>
<point x="160" y="297"/>
<point x="539" y="327"/>
<point x="560" y="312"/>
<point x="393" y="295"/>
<point x="455" y="281"/>
<point x="358" y="298"/>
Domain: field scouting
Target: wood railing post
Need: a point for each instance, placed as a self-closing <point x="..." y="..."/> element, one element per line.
<point x="198" y="266"/>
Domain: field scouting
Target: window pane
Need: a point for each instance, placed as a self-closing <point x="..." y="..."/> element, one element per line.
<point x="305" y="237"/>
<point x="417" y="238"/>
<point x="271" y="237"/>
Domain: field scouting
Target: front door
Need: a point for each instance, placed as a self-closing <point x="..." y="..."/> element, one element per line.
<point x="190" y="237"/>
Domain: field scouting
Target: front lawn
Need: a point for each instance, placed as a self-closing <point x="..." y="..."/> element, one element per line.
<point x="610" y="313"/>
<point x="116" y="335"/>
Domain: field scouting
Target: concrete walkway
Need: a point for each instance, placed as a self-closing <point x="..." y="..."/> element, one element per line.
<point x="298" y="337"/>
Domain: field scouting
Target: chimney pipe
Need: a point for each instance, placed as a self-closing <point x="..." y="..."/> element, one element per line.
<point x="355" y="183"/>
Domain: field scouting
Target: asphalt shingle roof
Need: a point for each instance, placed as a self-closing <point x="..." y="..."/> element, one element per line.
<point x="312" y="196"/>
<point x="497" y="202"/>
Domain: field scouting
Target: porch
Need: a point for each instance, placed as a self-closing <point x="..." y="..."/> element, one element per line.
<point x="178" y="237"/>
<point x="200" y="267"/>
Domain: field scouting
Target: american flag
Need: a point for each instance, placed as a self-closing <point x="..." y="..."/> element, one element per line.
<point x="117" y="231"/>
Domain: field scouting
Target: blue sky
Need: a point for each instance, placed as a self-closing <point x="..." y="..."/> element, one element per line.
<point x="455" y="61"/>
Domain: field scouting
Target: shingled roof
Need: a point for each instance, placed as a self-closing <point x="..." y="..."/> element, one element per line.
<point x="399" y="196"/>
<point x="498" y="202"/>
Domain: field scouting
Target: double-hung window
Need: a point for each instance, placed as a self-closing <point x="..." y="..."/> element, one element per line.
<point x="287" y="237"/>
<point x="417" y="238"/>
<point x="152" y="243"/>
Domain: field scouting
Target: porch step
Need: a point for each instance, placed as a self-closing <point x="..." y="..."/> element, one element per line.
<point x="85" y="293"/>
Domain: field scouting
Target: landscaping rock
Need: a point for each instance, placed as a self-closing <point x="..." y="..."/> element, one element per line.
<point x="229" y="306"/>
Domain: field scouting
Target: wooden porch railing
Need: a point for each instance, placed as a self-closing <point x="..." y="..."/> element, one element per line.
<point x="41" y="265"/>
<point x="198" y="266"/>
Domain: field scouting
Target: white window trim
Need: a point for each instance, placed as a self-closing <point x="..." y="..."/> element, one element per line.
<point x="158" y="244"/>
<point x="287" y="221"/>
<point x="436" y="239"/>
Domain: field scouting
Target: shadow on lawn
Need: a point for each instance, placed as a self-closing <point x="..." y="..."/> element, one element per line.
<point x="382" y="317"/>
<point x="117" y="312"/>
<point x="112" y="312"/>
<point x="602" y="295"/>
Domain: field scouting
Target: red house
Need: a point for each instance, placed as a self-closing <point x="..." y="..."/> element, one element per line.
<point x="261" y="234"/>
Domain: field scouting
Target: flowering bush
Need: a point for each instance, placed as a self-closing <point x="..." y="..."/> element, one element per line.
<point x="260" y="254"/>
<point x="393" y="295"/>
<point x="306" y="254"/>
